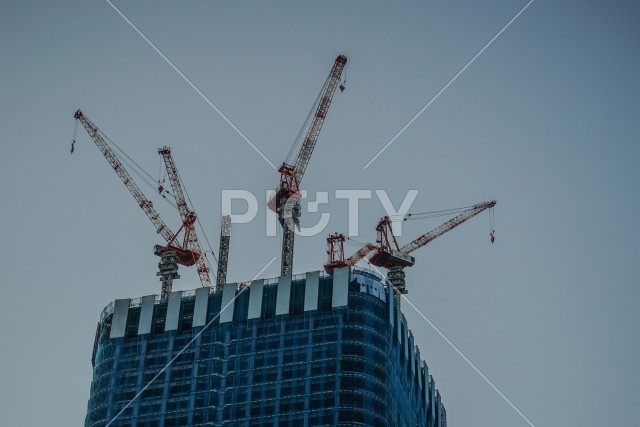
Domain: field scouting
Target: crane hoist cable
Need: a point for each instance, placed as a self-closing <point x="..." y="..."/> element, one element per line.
<point x="492" y="225"/>
<point x="305" y="125"/>
<point x="161" y="179"/>
<point x="199" y="225"/>
<point x="427" y="215"/>
<point x="343" y="85"/>
<point x="135" y="168"/>
<point x="130" y="159"/>
<point x="353" y="242"/>
<point x="75" y="133"/>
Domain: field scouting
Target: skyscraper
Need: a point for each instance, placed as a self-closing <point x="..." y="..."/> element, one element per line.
<point x="308" y="350"/>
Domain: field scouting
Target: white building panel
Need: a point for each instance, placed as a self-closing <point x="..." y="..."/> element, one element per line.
<point x="200" y="307"/>
<point x="255" y="299"/>
<point x="340" y="297"/>
<point x="283" y="295"/>
<point x="173" y="311"/>
<point x="119" y="320"/>
<point x="228" y="302"/>
<point x="146" y="314"/>
<point x="311" y="291"/>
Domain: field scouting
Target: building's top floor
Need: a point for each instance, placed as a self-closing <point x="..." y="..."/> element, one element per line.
<point x="313" y="298"/>
<point x="279" y="296"/>
<point x="267" y="298"/>
<point x="311" y="294"/>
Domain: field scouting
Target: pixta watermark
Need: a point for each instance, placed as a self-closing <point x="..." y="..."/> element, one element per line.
<point x="249" y="206"/>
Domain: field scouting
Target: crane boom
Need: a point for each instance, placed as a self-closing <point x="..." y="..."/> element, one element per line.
<point x="174" y="179"/>
<point x="145" y="204"/>
<point x="447" y="226"/>
<point x="361" y="253"/>
<point x="311" y="138"/>
<point x="188" y="218"/>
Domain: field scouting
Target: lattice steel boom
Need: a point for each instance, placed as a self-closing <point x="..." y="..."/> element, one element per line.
<point x="145" y="204"/>
<point x="188" y="216"/>
<point x="447" y="226"/>
<point x="310" y="140"/>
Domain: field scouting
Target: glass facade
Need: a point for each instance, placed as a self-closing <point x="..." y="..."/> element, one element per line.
<point x="316" y="350"/>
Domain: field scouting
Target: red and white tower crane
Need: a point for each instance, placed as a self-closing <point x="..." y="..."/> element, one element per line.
<point x="190" y="246"/>
<point x="389" y="255"/>
<point x="286" y="200"/>
<point x="188" y="251"/>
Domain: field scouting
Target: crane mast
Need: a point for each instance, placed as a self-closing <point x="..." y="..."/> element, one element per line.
<point x="389" y="255"/>
<point x="223" y="253"/>
<point x="285" y="202"/>
<point x="188" y="216"/>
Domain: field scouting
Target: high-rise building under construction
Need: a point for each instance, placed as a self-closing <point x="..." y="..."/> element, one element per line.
<point x="303" y="350"/>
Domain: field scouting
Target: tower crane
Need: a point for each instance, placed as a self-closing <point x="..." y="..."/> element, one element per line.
<point x="188" y="252"/>
<point x="190" y="246"/>
<point x="389" y="255"/>
<point x="286" y="199"/>
<point x="335" y="252"/>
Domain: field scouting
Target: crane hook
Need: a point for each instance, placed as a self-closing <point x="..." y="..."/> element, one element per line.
<point x="75" y="132"/>
<point x="493" y="238"/>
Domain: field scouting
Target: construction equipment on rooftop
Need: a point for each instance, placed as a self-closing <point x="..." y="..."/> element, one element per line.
<point x="286" y="199"/>
<point x="190" y="246"/>
<point x="335" y="252"/>
<point x="187" y="252"/>
<point x="223" y="252"/>
<point x="395" y="258"/>
<point x="388" y="254"/>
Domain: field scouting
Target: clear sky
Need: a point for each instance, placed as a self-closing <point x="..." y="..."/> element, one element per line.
<point x="545" y="121"/>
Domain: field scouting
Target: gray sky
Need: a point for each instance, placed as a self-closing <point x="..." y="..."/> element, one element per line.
<point x="544" y="121"/>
